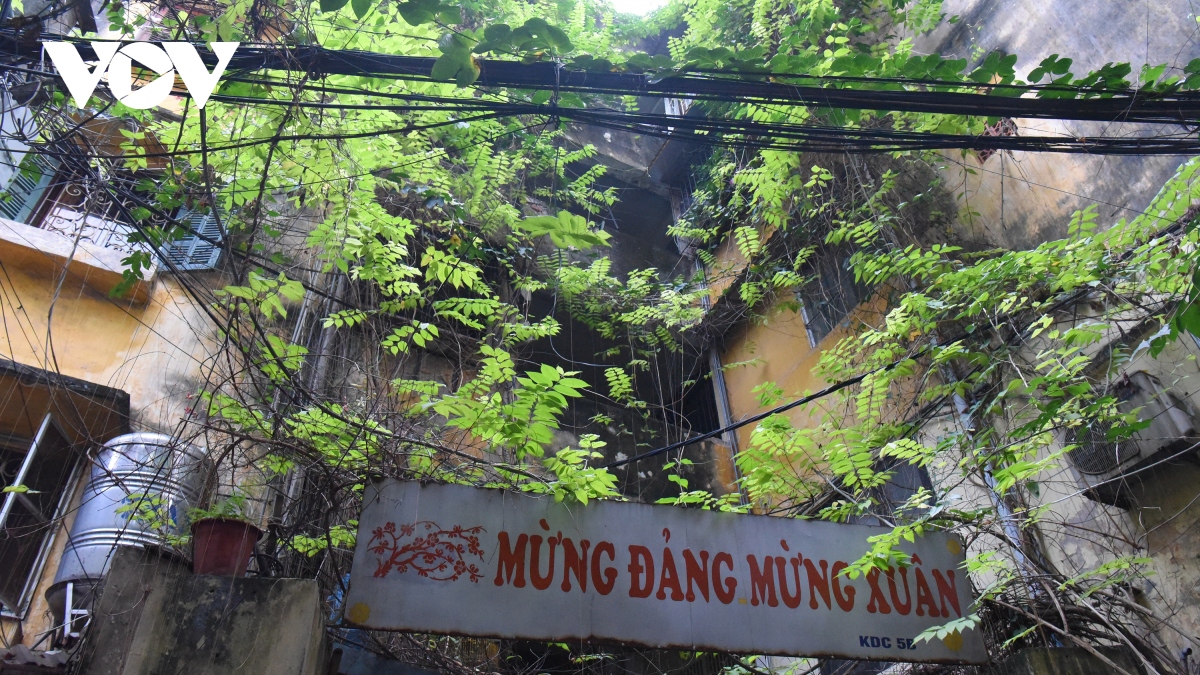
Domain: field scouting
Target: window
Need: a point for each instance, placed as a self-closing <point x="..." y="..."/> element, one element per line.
<point x="38" y="473"/>
<point x="699" y="405"/>
<point x="830" y="296"/>
<point x="24" y="194"/>
<point x="200" y="246"/>
<point x="92" y="209"/>
<point x="1170" y="422"/>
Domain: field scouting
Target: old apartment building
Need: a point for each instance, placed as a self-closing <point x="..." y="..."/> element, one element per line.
<point x="102" y="376"/>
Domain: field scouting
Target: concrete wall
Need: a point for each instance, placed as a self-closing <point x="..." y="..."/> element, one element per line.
<point x="1077" y="534"/>
<point x="1067" y="661"/>
<point x="57" y="316"/>
<point x="1024" y="198"/>
<point x="154" y="616"/>
<point x="1016" y="201"/>
<point x="1013" y="200"/>
<point x="155" y="350"/>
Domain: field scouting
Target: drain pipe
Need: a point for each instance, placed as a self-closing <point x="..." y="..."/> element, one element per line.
<point x="1008" y="520"/>
<point x="724" y="412"/>
<point x="725" y="418"/>
<point x="291" y="483"/>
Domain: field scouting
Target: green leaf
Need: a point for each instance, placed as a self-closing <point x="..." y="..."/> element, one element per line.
<point x="453" y="43"/>
<point x="457" y="67"/>
<point x="594" y="65"/>
<point x="570" y="100"/>
<point x="446" y="67"/>
<point x="467" y="74"/>
<point x="360" y="7"/>
<point x="559" y="39"/>
<point x="565" y="230"/>
<point x="1189" y="319"/>
<point x="332" y="5"/>
<point x="417" y="12"/>
<point x="498" y="32"/>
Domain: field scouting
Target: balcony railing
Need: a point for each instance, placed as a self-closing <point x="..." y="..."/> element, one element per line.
<point x="96" y="230"/>
<point x="42" y="195"/>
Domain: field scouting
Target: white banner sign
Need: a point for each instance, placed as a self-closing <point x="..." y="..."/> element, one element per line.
<point x="470" y="561"/>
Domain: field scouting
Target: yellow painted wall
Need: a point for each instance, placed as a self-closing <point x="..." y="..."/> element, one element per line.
<point x="777" y="349"/>
<point x="151" y="350"/>
<point x="156" y="351"/>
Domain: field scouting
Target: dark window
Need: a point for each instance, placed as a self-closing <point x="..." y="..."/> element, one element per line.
<point x="199" y="248"/>
<point x="830" y="296"/>
<point x="41" y="469"/>
<point x="23" y="195"/>
<point x="700" y="405"/>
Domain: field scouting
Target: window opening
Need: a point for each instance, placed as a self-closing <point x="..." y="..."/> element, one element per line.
<point x="38" y="476"/>
<point x="90" y="208"/>
<point x="699" y="404"/>
<point x="24" y="194"/>
<point x="199" y="248"/>
<point x="830" y="296"/>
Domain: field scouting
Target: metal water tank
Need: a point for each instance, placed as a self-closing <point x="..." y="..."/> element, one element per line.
<point x="155" y="468"/>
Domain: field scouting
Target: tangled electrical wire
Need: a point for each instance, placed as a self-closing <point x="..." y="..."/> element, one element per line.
<point x="720" y="120"/>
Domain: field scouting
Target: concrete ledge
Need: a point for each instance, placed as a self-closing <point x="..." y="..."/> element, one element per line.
<point x="34" y="249"/>
<point x="154" y="616"/>
<point x="1066" y="661"/>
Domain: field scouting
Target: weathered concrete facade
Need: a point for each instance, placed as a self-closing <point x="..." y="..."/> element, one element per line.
<point x="155" y="616"/>
<point x="60" y="319"/>
<point x="1016" y="201"/>
<point x="1023" y="199"/>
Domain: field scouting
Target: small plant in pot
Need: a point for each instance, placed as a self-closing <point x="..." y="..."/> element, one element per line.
<point x="223" y="537"/>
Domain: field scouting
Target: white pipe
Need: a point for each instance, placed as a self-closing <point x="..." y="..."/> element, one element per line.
<point x="11" y="498"/>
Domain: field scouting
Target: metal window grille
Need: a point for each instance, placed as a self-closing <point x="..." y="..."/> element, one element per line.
<point x="1096" y="454"/>
<point x="28" y="518"/>
<point x="25" y="192"/>
<point x="199" y="248"/>
<point x="829" y="298"/>
<point x="1103" y="448"/>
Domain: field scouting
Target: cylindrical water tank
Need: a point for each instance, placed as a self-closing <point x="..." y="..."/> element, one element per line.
<point x="154" y="469"/>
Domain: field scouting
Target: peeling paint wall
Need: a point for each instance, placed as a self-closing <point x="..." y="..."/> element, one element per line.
<point x="1023" y="198"/>
<point x="1017" y="201"/>
<point x="156" y="351"/>
<point x="1077" y="534"/>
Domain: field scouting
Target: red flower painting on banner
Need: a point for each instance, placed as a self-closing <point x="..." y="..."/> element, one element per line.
<point x="429" y="550"/>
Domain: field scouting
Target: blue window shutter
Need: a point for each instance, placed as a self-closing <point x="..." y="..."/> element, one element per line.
<point x="199" y="248"/>
<point x="27" y="187"/>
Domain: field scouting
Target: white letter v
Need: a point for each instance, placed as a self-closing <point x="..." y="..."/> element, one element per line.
<point x="199" y="82"/>
<point x="74" y="73"/>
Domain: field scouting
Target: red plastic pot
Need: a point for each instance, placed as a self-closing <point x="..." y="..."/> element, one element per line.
<point x="222" y="546"/>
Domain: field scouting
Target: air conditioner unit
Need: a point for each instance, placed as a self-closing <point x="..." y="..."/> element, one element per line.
<point x="1111" y="468"/>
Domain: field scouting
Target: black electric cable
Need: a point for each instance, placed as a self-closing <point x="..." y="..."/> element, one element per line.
<point x="761" y="416"/>
<point x="1121" y="105"/>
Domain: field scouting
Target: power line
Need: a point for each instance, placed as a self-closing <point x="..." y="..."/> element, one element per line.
<point x="761" y="416"/>
<point x="730" y="130"/>
<point x="885" y="94"/>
